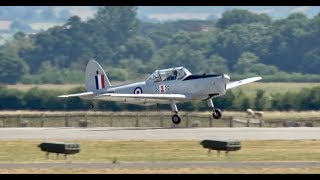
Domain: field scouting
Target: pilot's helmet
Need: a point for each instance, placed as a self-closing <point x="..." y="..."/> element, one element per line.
<point x="175" y="72"/>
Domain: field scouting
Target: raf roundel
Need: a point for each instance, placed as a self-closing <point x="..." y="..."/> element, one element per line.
<point x="137" y="90"/>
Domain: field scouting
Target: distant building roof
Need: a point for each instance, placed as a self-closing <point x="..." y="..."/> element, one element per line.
<point x="5" y="25"/>
<point x="44" y="25"/>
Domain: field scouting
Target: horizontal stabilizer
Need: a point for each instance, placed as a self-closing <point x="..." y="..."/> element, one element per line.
<point x="242" y="82"/>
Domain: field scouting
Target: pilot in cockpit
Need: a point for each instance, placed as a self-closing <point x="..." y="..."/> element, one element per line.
<point x="157" y="77"/>
<point x="173" y="76"/>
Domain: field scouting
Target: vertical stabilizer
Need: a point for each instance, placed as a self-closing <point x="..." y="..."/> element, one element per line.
<point x="96" y="78"/>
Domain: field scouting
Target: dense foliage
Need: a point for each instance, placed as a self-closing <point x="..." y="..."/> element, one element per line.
<point x="240" y="43"/>
<point x="40" y="99"/>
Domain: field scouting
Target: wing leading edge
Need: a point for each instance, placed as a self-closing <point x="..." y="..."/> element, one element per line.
<point x="141" y="99"/>
<point x="107" y="96"/>
<point x="77" y="95"/>
<point x="242" y="82"/>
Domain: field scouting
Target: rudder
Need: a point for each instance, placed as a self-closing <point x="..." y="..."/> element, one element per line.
<point x="95" y="77"/>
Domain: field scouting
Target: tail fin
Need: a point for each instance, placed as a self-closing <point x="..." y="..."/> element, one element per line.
<point x="96" y="78"/>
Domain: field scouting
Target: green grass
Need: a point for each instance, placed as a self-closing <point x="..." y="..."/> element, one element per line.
<point x="176" y="170"/>
<point x="150" y="151"/>
<point x="274" y="87"/>
<point x="280" y="115"/>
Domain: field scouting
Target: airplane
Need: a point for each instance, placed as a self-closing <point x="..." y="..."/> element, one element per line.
<point x="164" y="86"/>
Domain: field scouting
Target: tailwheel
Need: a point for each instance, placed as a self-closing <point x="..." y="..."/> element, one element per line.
<point x="216" y="113"/>
<point x="176" y="119"/>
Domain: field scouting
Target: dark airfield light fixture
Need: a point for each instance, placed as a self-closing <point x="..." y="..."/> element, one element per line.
<point x="221" y="145"/>
<point x="59" y="148"/>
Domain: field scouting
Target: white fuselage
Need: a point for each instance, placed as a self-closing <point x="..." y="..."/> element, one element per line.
<point x="197" y="88"/>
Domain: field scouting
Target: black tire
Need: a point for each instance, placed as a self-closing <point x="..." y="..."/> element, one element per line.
<point x="176" y="119"/>
<point x="217" y="114"/>
<point x="92" y="106"/>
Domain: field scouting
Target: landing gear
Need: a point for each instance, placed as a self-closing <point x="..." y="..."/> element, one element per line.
<point x="216" y="112"/>
<point x="175" y="118"/>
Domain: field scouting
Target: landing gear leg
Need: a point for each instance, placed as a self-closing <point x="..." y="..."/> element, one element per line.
<point x="175" y="118"/>
<point x="216" y="112"/>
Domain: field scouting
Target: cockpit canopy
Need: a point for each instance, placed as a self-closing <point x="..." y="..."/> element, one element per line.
<point x="170" y="74"/>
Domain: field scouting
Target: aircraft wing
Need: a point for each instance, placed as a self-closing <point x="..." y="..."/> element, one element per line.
<point x="107" y="96"/>
<point x="242" y="82"/>
<point x="141" y="99"/>
<point x="77" y="95"/>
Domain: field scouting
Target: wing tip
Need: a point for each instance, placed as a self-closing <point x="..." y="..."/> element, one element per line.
<point x="257" y="78"/>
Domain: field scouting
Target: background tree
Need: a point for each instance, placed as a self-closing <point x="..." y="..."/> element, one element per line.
<point x="12" y="68"/>
<point x="246" y="61"/>
<point x="216" y="64"/>
<point x="239" y="16"/>
<point x="291" y="39"/>
<point x="137" y="47"/>
<point x="311" y="61"/>
<point x="236" y="39"/>
<point x="262" y="101"/>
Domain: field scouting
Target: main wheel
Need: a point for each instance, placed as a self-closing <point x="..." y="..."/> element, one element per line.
<point x="176" y="119"/>
<point x="217" y="114"/>
<point x="92" y="106"/>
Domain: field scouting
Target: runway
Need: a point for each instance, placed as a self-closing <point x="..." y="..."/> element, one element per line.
<point x="109" y="133"/>
<point x="121" y="133"/>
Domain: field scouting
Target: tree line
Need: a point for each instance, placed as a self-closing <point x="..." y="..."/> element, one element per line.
<point x="40" y="99"/>
<point x="240" y="43"/>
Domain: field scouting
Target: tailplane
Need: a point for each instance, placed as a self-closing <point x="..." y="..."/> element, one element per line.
<point x="96" y="78"/>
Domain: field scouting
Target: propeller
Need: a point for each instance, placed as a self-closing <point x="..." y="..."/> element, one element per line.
<point x="226" y="78"/>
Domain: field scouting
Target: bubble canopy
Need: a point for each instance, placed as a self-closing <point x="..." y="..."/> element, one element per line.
<point x="177" y="73"/>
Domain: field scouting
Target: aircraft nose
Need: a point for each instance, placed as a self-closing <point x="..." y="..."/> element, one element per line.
<point x="226" y="78"/>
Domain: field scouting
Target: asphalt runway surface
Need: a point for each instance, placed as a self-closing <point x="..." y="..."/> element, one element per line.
<point x="117" y="133"/>
<point x="141" y="133"/>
